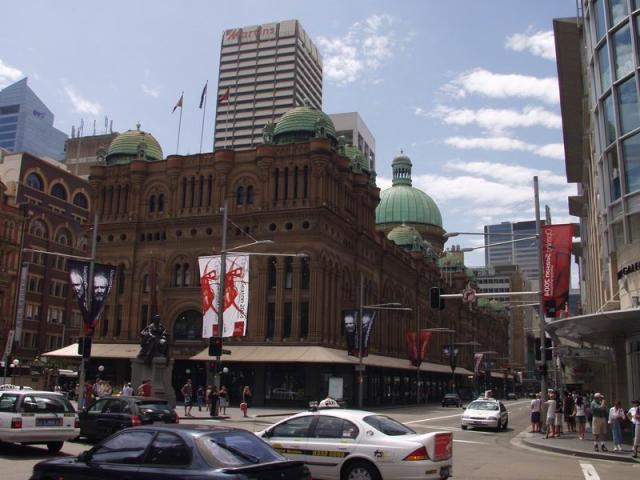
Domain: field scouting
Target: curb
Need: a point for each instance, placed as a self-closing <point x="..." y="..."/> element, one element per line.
<point x="578" y="453"/>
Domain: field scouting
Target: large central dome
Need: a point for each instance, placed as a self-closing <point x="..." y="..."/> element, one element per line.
<point x="302" y="123"/>
<point x="131" y="145"/>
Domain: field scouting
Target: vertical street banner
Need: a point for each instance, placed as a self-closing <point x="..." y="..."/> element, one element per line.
<point x="236" y="295"/>
<point x="478" y="360"/>
<point x="368" y="317"/>
<point x="358" y="342"/>
<point x="556" y="268"/>
<point x="103" y="281"/>
<point x="417" y="344"/>
<point x="22" y="298"/>
<point x="349" y="321"/>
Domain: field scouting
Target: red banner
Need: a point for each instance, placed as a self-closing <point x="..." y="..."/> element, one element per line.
<point x="556" y="268"/>
<point x="417" y="346"/>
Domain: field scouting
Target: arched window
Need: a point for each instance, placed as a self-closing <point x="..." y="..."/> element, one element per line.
<point x="272" y="272"/>
<point x="59" y="191"/>
<point x="161" y="202"/>
<point x="240" y="196"/>
<point x="186" y="275"/>
<point x="183" y="201"/>
<point x="83" y="243"/>
<point x="305" y="273"/>
<point x="63" y="237"/>
<point x="250" y="195"/>
<point x="177" y="275"/>
<point x="80" y="200"/>
<point x="35" y="181"/>
<point x="152" y="204"/>
<point x="188" y="326"/>
<point x="38" y="229"/>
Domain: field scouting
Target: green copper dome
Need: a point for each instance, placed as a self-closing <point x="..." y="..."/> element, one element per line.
<point x="404" y="203"/>
<point x="303" y="123"/>
<point x="131" y="145"/>
<point x="405" y="236"/>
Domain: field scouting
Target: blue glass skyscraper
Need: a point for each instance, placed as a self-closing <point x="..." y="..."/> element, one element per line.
<point x="26" y="124"/>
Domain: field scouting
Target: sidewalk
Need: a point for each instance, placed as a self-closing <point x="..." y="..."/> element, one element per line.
<point x="569" y="444"/>
<point x="234" y="413"/>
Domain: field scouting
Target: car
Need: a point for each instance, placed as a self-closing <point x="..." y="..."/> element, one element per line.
<point x="176" y="452"/>
<point x="354" y="444"/>
<point x="485" y="412"/>
<point x="33" y="417"/>
<point x="451" y="399"/>
<point x="512" y="396"/>
<point x="110" y="414"/>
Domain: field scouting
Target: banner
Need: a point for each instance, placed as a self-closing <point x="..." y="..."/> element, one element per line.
<point x="103" y="280"/>
<point x="236" y="295"/>
<point x="22" y="298"/>
<point x="556" y="268"/>
<point x="417" y="346"/>
<point x="478" y="358"/>
<point x="357" y="342"/>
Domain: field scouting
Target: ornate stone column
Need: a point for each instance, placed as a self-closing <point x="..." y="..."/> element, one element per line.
<point x="315" y="301"/>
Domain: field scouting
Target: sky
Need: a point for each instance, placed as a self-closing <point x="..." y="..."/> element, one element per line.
<point x="466" y="88"/>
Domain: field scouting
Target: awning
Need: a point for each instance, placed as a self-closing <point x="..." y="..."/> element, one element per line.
<point x="317" y="354"/>
<point x="598" y="328"/>
<point x="99" y="350"/>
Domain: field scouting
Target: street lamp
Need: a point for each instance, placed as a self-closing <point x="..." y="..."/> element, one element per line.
<point x="100" y="370"/>
<point x="14" y="366"/>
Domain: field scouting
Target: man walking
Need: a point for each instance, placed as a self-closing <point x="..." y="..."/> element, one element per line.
<point x="599" y="424"/>
<point x="187" y="393"/>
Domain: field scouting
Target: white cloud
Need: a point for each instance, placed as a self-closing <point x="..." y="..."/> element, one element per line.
<point x="8" y="74"/>
<point x="499" y="85"/>
<point x="81" y="104"/>
<point x="150" y="91"/>
<point x="366" y="46"/>
<point x="496" y="120"/>
<point x="512" y="174"/>
<point x="505" y="144"/>
<point x="540" y="44"/>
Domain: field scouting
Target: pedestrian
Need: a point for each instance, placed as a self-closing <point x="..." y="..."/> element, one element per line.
<point x="634" y="415"/>
<point x="200" y="397"/>
<point x="223" y="399"/>
<point x="107" y="389"/>
<point x="616" y="417"/>
<point x="559" y="417"/>
<point x="579" y="413"/>
<point x="536" y="403"/>
<point x="213" y="400"/>
<point x="551" y="415"/>
<point x="144" y="390"/>
<point x="598" y="409"/>
<point x="127" y="390"/>
<point x="88" y="395"/>
<point x="246" y="400"/>
<point x="567" y="411"/>
<point x="207" y="397"/>
<point x="187" y="393"/>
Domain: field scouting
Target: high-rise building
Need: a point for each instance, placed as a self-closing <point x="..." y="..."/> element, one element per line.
<point x="81" y="152"/>
<point x="516" y="249"/>
<point x="26" y="124"/>
<point x="265" y="70"/>
<point x="351" y="126"/>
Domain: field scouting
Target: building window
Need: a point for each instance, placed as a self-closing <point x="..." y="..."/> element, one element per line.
<point x="250" y="195"/>
<point x="617" y="10"/>
<point x="201" y="190"/>
<point x="272" y="272"/>
<point x="152" y="204"/>
<point x="80" y="200"/>
<point x="631" y="153"/>
<point x="177" y="275"/>
<point x="193" y="192"/>
<point x="35" y="181"/>
<point x="271" y="319"/>
<point x="288" y="272"/>
<point x="188" y="326"/>
<point x="186" y="275"/>
<point x="305" y="274"/>
<point x="304" y="319"/>
<point x="161" y="202"/>
<point x="183" y="201"/>
<point x="240" y="196"/>
<point x="121" y="279"/>
<point x="118" y="321"/>
<point x="622" y="53"/>
<point x="306" y="182"/>
<point x="64" y="237"/>
<point x="276" y="179"/>
<point x="38" y="229"/>
<point x="145" y="283"/>
<point x="288" y="309"/>
<point x="629" y="109"/>
<point x="604" y="69"/>
<point x="286" y="183"/>
<point x="609" y="120"/>
<point x="601" y="27"/>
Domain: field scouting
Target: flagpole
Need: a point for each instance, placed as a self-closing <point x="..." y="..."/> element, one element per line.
<point x="204" y="112"/>
<point x="226" y="124"/>
<point x="180" y="123"/>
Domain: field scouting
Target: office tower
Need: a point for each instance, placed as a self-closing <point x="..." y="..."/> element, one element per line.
<point x="517" y="248"/>
<point x="82" y="152"/>
<point x="26" y="124"/>
<point x="265" y="70"/>
<point x="351" y="126"/>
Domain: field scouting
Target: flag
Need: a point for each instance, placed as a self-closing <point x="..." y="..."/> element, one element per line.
<point x="224" y="96"/>
<point x="103" y="281"/>
<point x="417" y="345"/>
<point x="179" y="104"/>
<point x="204" y="94"/>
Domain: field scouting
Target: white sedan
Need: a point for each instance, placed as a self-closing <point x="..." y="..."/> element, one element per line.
<point x="354" y="444"/>
<point x="485" y="412"/>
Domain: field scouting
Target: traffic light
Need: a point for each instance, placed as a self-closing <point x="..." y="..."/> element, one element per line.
<point x="437" y="301"/>
<point x="84" y="347"/>
<point x="215" y="346"/>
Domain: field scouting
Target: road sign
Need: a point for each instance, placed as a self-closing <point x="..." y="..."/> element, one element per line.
<point x="468" y="295"/>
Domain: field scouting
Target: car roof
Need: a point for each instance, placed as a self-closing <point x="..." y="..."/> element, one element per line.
<point x="339" y="412"/>
<point x="189" y="428"/>
<point x="39" y="392"/>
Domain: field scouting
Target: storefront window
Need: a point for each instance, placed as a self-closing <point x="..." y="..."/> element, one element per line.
<point x="598" y="14"/>
<point x="617" y="10"/>
<point x="271" y="319"/>
<point x="634" y="226"/>
<point x="629" y="111"/>
<point x="304" y="319"/>
<point x="618" y="234"/>
<point x="631" y="152"/>
<point x="622" y="55"/>
<point x="188" y="326"/>
<point x="284" y="383"/>
<point x="614" y="174"/>
<point x="609" y="120"/>
<point x="604" y="69"/>
<point x="286" y="333"/>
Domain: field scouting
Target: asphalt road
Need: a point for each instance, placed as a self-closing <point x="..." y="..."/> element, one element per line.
<point x="478" y="455"/>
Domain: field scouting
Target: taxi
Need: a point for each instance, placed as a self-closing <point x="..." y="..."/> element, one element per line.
<point x="354" y="444"/>
<point x="37" y="417"/>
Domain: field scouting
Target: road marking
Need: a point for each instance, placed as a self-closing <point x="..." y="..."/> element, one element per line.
<point x="433" y="418"/>
<point x="469" y="441"/>
<point x="589" y="471"/>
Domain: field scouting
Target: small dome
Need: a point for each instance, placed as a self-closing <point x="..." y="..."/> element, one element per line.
<point x="302" y="123"/>
<point x="358" y="160"/>
<point x="405" y="236"/>
<point x="131" y="145"/>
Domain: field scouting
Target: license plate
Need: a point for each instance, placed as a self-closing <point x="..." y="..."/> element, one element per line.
<point x="159" y="422"/>
<point x="445" y="472"/>
<point x="48" y="422"/>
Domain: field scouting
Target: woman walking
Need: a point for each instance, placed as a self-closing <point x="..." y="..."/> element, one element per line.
<point x="580" y="415"/>
<point x="224" y="399"/>
<point x="246" y="400"/>
<point x="616" y="417"/>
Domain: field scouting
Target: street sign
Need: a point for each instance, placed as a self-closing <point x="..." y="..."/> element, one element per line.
<point x="468" y="295"/>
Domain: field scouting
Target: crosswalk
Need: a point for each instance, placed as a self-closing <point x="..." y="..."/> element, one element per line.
<point x="589" y="471"/>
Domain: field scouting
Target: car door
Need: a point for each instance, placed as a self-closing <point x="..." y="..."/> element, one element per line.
<point x="168" y="457"/>
<point x="89" y="419"/>
<point x="331" y="440"/>
<point x="112" y="418"/>
<point x="504" y="415"/>
<point x="290" y="437"/>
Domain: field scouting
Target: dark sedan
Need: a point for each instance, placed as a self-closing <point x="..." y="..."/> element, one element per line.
<point x="111" y="414"/>
<point x="451" y="399"/>
<point x="176" y="452"/>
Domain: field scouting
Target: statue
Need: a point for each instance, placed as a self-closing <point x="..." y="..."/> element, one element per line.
<point x="267" y="133"/>
<point x="154" y="341"/>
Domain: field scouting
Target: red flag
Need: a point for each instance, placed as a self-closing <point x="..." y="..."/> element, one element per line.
<point x="179" y="104"/>
<point x="417" y="345"/>
<point x="224" y="96"/>
<point x="556" y="267"/>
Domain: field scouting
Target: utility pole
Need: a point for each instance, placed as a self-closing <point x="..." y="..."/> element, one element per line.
<point x="221" y="279"/>
<point x="543" y="380"/>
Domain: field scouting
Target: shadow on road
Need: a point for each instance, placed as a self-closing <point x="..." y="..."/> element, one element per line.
<point x="15" y="451"/>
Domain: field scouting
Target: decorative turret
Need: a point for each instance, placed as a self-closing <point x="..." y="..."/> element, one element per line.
<point x="133" y="145"/>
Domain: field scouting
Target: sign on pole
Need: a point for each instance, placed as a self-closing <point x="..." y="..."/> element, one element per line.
<point x="22" y="294"/>
<point x="468" y="295"/>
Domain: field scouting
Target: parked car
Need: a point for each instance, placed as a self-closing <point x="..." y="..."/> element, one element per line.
<point x="485" y="412"/>
<point x="177" y="452"/>
<point x="110" y="414"/>
<point x="37" y="417"/>
<point x="354" y="444"/>
<point x="451" y="399"/>
<point x="512" y="396"/>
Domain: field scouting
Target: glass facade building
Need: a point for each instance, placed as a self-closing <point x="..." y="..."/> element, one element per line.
<point x="26" y="124"/>
<point x="523" y="253"/>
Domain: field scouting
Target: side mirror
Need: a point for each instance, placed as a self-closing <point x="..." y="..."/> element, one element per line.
<point x="84" y="457"/>
<point x="267" y="433"/>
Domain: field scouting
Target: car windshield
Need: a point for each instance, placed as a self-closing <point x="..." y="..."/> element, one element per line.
<point x="8" y="402"/>
<point x="235" y="448"/>
<point x="479" y="405"/>
<point x="387" y="425"/>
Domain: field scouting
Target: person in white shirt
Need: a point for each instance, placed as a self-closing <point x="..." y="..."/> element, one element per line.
<point x="634" y="415"/>
<point x="616" y="417"/>
<point x="127" y="390"/>
<point x="551" y="415"/>
<point x="536" y="403"/>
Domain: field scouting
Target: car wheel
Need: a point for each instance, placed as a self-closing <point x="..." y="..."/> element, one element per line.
<point x="463" y="427"/>
<point x="506" y="423"/>
<point x="54" y="447"/>
<point x="499" y="425"/>
<point x="360" y="471"/>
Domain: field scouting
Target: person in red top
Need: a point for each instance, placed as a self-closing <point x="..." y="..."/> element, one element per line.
<point x="88" y="394"/>
<point x="144" y="390"/>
